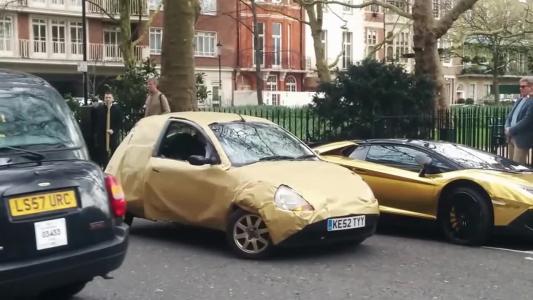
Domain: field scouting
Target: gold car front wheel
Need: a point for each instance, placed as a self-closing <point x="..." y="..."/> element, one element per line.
<point x="247" y="235"/>
<point x="465" y="217"/>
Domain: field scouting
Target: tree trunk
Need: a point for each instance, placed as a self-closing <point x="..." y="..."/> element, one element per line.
<point x="495" y="71"/>
<point x="427" y="61"/>
<point x="315" y="22"/>
<point x="258" y="57"/>
<point x="126" y="43"/>
<point x="177" y="57"/>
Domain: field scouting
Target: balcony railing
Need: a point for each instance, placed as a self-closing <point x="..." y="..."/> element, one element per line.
<point x="60" y="50"/>
<point x="282" y="60"/>
<point x="111" y="7"/>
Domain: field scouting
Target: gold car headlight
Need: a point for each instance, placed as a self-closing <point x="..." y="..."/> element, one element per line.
<point x="287" y="199"/>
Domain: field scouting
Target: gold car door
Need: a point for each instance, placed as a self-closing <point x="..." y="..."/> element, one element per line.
<point x="393" y="174"/>
<point x="181" y="189"/>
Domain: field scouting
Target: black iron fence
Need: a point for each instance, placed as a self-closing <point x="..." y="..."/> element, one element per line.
<point x="481" y="127"/>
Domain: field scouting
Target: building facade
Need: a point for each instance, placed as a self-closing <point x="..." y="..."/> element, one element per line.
<point x="44" y="37"/>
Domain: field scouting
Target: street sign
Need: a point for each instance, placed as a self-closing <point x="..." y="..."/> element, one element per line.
<point x="82" y="66"/>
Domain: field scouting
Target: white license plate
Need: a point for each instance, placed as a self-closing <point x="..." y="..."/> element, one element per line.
<point x="346" y="223"/>
<point x="50" y="234"/>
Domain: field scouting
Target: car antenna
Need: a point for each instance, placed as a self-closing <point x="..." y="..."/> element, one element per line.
<point x="242" y="119"/>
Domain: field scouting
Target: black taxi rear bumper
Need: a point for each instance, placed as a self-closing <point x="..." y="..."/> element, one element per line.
<point x="31" y="277"/>
<point x="317" y="233"/>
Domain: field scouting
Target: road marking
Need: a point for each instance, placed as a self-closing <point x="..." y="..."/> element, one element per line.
<point x="528" y="258"/>
<point x="510" y="250"/>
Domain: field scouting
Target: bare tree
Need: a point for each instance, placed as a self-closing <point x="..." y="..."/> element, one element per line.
<point x="427" y="31"/>
<point x="494" y="35"/>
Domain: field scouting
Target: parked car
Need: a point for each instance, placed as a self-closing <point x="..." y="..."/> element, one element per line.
<point x="242" y="175"/>
<point x="61" y="220"/>
<point x="469" y="192"/>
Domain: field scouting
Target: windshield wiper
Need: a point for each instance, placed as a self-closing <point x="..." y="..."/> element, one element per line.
<point x="276" y="157"/>
<point x="35" y="156"/>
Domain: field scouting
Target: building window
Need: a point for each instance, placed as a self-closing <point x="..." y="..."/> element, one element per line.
<point x="290" y="84"/>
<point x="260" y="42"/>
<point x="75" y="2"/>
<point x="205" y="44"/>
<point x="111" y="43"/>
<point x="6" y="33"/>
<point x="436" y="9"/>
<point x="374" y="8"/>
<point x="272" y="83"/>
<point x="58" y="2"/>
<point x="346" y="49"/>
<point x="371" y="37"/>
<point x="401" y="45"/>
<point x="76" y="38"/>
<point x="276" y="44"/>
<point x="208" y="7"/>
<point x="58" y="37"/>
<point x="39" y="35"/>
<point x="156" y="38"/>
<point x="444" y="46"/>
<point x="472" y="91"/>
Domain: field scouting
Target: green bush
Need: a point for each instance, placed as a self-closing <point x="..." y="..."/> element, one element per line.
<point x="469" y="101"/>
<point x="353" y="100"/>
<point x="461" y="101"/>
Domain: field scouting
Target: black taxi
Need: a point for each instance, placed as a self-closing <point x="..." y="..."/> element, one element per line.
<point x="61" y="217"/>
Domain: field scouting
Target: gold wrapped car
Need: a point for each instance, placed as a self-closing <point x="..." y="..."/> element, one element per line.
<point x="470" y="192"/>
<point x="243" y="175"/>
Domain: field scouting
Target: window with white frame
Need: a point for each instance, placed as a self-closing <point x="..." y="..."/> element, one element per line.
<point x="260" y="42"/>
<point x="290" y="84"/>
<point x="156" y="40"/>
<point x="346" y="49"/>
<point x="371" y="36"/>
<point x="272" y="83"/>
<point x="58" y="37"/>
<point x="205" y="44"/>
<point x="57" y="2"/>
<point x="75" y="2"/>
<point x="401" y="45"/>
<point x="6" y="33"/>
<point x="208" y="7"/>
<point x="276" y="44"/>
<point x="111" y="42"/>
<point x="39" y="35"/>
<point x="76" y="38"/>
<point x="472" y="91"/>
<point x="374" y="8"/>
<point x="444" y="46"/>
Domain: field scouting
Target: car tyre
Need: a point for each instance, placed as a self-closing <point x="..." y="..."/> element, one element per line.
<point x="247" y="235"/>
<point x="64" y="292"/>
<point x="465" y="217"/>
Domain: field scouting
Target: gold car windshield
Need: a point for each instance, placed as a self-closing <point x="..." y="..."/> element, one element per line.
<point x="474" y="159"/>
<point x="250" y="142"/>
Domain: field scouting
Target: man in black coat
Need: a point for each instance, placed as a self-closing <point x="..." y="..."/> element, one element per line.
<point x="107" y="123"/>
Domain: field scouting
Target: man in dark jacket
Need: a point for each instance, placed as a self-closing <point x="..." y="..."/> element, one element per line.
<point x="107" y="123"/>
<point x="519" y="123"/>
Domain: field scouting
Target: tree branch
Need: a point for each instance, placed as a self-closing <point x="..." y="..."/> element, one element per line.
<point x="446" y="22"/>
<point x="394" y="8"/>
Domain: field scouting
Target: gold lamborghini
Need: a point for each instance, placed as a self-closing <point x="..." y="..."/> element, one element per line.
<point x="471" y="193"/>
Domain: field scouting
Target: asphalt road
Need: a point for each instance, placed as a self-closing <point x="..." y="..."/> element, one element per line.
<point x="408" y="262"/>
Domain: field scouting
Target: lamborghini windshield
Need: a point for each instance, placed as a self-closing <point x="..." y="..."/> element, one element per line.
<point x="475" y="159"/>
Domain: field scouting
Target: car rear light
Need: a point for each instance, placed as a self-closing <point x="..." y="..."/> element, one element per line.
<point x="116" y="196"/>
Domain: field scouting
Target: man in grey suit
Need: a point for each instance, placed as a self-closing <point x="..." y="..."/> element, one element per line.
<point x="519" y="123"/>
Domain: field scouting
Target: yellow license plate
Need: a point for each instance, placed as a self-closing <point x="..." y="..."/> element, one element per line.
<point x="39" y="203"/>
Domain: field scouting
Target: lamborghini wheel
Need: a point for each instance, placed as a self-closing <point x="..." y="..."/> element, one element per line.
<point x="466" y="217"/>
<point x="247" y="235"/>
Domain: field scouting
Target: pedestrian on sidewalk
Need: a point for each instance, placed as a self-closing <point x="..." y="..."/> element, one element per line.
<point x="156" y="102"/>
<point x="519" y="123"/>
